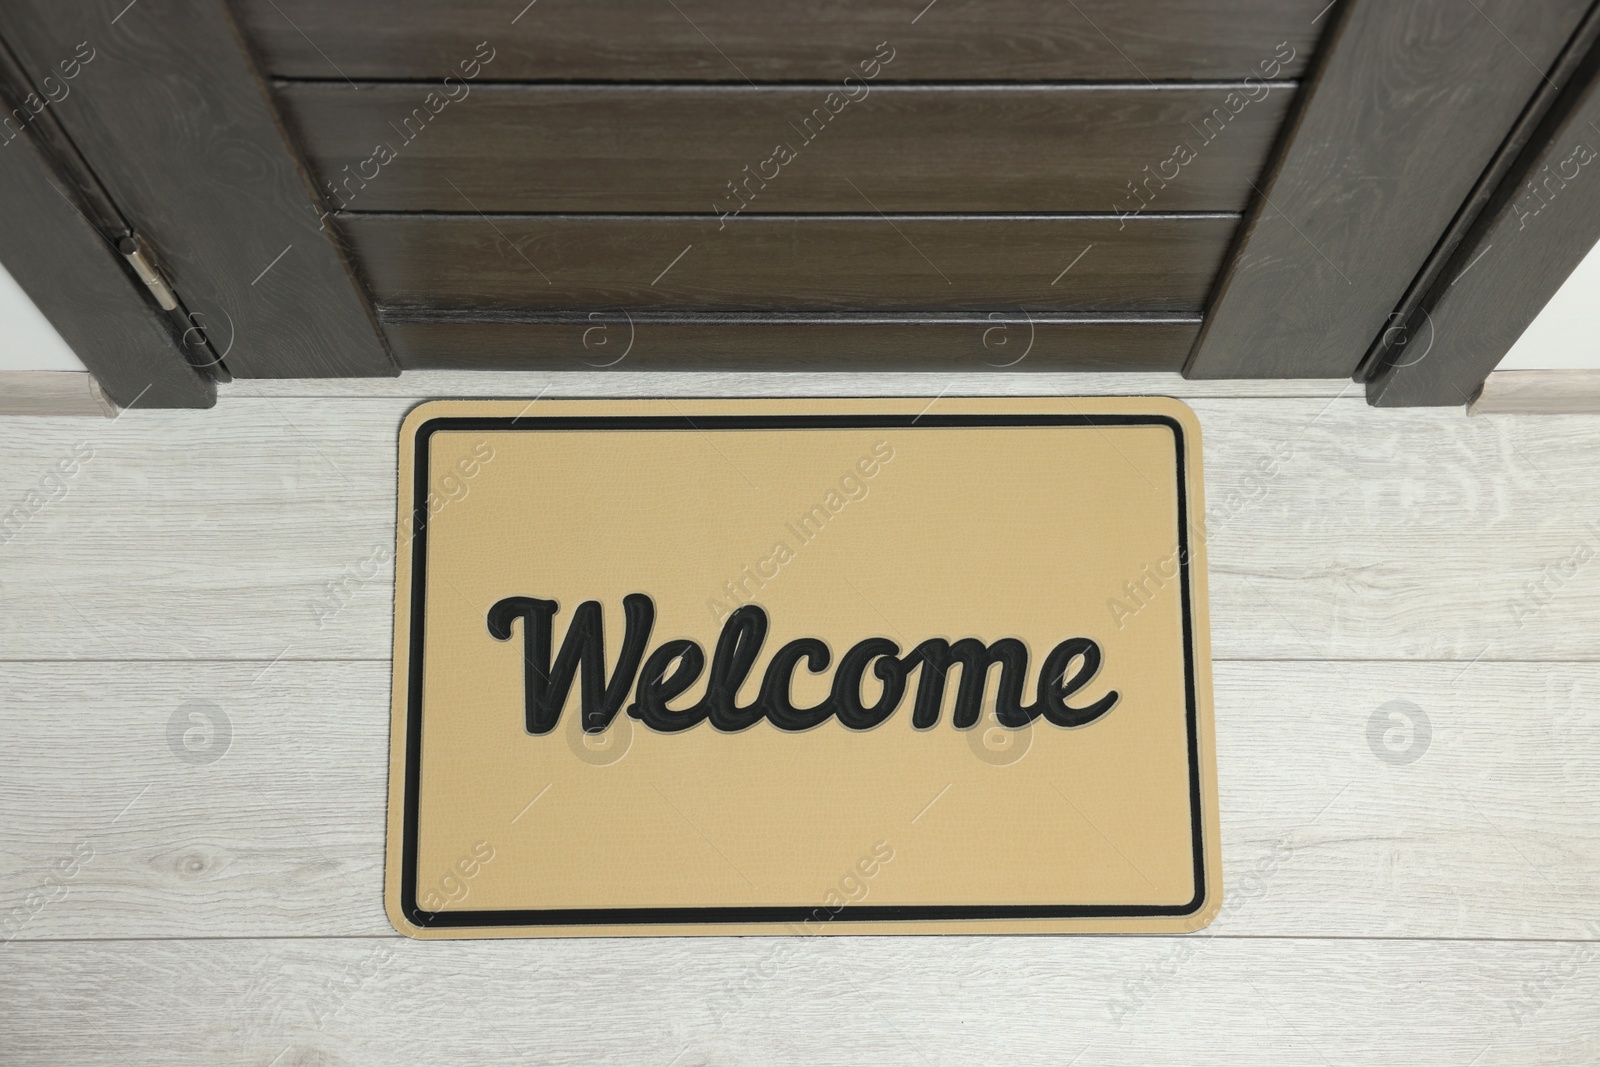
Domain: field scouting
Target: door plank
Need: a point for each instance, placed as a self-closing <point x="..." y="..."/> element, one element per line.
<point x="1015" y="339"/>
<point x="783" y="40"/>
<point x="1044" y="263"/>
<point x="682" y="148"/>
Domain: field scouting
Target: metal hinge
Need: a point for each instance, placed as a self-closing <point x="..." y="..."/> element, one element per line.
<point x="192" y="339"/>
<point x="148" y="274"/>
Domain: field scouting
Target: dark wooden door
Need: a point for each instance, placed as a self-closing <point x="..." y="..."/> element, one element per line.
<point x="787" y="184"/>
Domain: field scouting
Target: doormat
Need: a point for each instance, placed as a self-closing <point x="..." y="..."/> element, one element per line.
<point x="801" y="666"/>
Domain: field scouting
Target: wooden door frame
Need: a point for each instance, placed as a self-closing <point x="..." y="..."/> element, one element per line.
<point x="1456" y="107"/>
<point x="55" y="243"/>
<point x="165" y="107"/>
<point x="1535" y="217"/>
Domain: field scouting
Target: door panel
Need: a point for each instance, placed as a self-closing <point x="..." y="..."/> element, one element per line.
<point x="702" y="149"/>
<point x="1072" y="263"/>
<point x="782" y="40"/>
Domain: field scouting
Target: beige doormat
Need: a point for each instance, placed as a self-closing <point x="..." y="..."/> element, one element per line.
<point x="801" y="666"/>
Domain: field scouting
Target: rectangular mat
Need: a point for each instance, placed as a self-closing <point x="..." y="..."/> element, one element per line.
<point x="801" y="666"/>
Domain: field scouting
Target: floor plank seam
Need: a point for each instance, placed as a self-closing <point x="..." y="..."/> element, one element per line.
<point x="1201" y="935"/>
<point x="1216" y="661"/>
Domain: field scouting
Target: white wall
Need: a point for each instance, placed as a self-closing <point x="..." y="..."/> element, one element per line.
<point x="27" y="340"/>
<point x="1567" y="332"/>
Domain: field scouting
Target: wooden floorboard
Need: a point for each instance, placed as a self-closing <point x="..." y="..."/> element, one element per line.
<point x="1492" y="831"/>
<point x="1440" y="910"/>
<point x="53" y="392"/>
<point x="1539" y="392"/>
<point x="917" y="1002"/>
<point x="1387" y="535"/>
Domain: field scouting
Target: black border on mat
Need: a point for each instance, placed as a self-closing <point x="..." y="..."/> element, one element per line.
<point x="763" y="913"/>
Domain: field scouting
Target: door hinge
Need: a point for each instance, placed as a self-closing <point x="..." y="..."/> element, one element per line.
<point x="192" y="339"/>
<point x="148" y="274"/>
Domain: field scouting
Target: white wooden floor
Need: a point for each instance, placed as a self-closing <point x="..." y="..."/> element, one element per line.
<point x="1431" y="904"/>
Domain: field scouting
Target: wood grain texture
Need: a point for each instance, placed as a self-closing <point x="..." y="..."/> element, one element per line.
<point x="295" y="496"/>
<point x="53" y="392"/>
<point x="818" y="341"/>
<point x="1044" y="263"/>
<point x="621" y="383"/>
<point x="678" y="148"/>
<point x="910" y="1001"/>
<point x="174" y="121"/>
<point x="80" y="283"/>
<point x="1539" y="392"/>
<point x="1541" y="222"/>
<point x="1492" y="832"/>
<point x="1376" y="911"/>
<point x="1391" y="346"/>
<point x="1407" y="106"/>
<point x="781" y="40"/>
